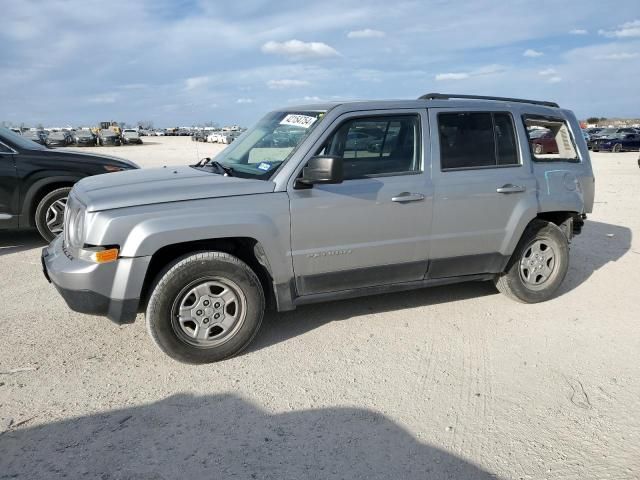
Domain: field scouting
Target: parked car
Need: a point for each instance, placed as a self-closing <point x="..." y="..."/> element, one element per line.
<point x="610" y="132"/>
<point x="542" y="141"/>
<point x="38" y="136"/>
<point x="199" y="136"/>
<point x="109" y="137"/>
<point x="621" y="142"/>
<point x="59" y="139"/>
<point x="35" y="181"/>
<point x="85" y="138"/>
<point x="587" y="138"/>
<point x="292" y="225"/>
<point x="131" y="136"/>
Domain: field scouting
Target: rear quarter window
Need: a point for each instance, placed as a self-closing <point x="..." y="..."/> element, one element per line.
<point x="550" y="139"/>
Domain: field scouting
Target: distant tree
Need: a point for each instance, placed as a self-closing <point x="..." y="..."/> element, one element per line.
<point x="145" y="124"/>
<point x="592" y="120"/>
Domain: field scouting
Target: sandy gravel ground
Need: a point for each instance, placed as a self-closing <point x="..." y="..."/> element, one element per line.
<point x="451" y="382"/>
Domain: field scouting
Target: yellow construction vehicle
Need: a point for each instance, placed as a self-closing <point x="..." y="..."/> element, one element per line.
<point x="113" y="126"/>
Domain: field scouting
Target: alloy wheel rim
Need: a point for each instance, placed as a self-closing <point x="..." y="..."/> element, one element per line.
<point x="54" y="218"/>
<point x="209" y="312"/>
<point x="538" y="264"/>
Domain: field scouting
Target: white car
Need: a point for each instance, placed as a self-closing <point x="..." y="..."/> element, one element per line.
<point x="129" y="135"/>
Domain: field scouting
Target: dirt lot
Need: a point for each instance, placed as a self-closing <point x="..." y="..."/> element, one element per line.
<point x="452" y="382"/>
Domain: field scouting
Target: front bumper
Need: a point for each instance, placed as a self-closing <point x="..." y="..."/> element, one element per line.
<point x="110" y="289"/>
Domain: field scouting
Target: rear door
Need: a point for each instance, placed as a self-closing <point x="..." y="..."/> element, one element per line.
<point x="483" y="188"/>
<point x="373" y="228"/>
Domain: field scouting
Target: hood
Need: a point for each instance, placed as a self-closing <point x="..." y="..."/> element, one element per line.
<point x="160" y="185"/>
<point x="91" y="157"/>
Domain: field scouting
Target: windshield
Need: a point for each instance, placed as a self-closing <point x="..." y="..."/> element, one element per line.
<point x="537" y="132"/>
<point x="262" y="149"/>
<point x="607" y="131"/>
<point x="16" y="140"/>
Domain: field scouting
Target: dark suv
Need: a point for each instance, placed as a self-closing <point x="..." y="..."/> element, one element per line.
<point x="35" y="181"/>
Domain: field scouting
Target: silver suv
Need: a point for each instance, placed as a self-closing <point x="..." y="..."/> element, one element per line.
<point x="328" y="201"/>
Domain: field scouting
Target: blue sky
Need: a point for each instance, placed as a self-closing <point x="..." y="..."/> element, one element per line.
<point x="186" y="62"/>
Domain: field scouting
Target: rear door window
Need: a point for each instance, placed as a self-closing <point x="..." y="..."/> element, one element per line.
<point x="477" y="140"/>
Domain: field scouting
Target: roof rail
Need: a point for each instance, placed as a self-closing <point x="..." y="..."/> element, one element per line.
<point x="447" y="96"/>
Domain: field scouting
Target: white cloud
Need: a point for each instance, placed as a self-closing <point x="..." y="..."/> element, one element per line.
<point x="366" y="33"/>
<point x="296" y="48"/>
<point x="617" y="56"/>
<point x="452" y="76"/>
<point x="554" y="79"/>
<point x="532" y="53"/>
<point x="578" y="31"/>
<point x="478" y="72"/>
<point x="626" y="30"/>
<point x="244" y="100"/>
<point x="547" y="71"/>
<point x="286" y="83"/>
<point x="195" y="82"/>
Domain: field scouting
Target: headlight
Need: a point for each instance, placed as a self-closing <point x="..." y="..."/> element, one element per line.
<point x="74" y="223"/>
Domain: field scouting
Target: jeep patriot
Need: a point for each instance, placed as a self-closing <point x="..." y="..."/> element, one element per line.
<point x="323" y="202"/>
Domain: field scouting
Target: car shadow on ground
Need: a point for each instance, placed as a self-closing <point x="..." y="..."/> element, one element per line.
<point x="14" y="241"/>
<point x="598" y="245"/>
<point x="223" y="436"/>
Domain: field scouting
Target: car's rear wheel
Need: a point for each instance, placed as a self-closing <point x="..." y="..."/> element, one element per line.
<point x="205" y="307"/>
<point x="538" y="265"/>
<point x="617" y="148"/>
<point x="49" y="216"/>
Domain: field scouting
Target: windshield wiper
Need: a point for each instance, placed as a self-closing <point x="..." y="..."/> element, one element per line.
<point x="220" y="167"/>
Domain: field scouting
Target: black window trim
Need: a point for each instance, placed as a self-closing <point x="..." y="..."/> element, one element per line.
<point x="550" y="118"/>
<point x="415" y="114"/>
<point x="495" y="142"/>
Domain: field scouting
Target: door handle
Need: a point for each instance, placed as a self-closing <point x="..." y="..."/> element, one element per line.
<point x="407" y="197"/>
<point x="509" y="188"/>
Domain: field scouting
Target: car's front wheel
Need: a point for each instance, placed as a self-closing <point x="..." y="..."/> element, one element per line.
<point x="538" y="265"/>
<point x="205" y="307"/>
<point x="49" y="216"/>
<point x="617" y="148"/>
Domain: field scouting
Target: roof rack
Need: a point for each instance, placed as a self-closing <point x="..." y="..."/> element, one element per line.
<point x="447" y="96"/>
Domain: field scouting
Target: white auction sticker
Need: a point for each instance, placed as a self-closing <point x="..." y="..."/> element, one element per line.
<point x="304" y="121"/>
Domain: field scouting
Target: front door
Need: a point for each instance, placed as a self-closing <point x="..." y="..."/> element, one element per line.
<point x="8" y="187"/>
<point x="373" y="228"/>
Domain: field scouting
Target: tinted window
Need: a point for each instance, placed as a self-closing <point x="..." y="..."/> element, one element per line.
<point x="5" y="149"/>
<point x="506" y="143"/>
<point x="376" y="146"/>
<point x="476" y="139"/>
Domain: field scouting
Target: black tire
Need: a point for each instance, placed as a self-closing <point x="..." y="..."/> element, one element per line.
<point x="512" y="283"/>
<point x="186" y="273"/>
<point x="42" y="215"/>
<point x="617" y="148"/>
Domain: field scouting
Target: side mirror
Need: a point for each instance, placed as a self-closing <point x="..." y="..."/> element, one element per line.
<point x="322" y="169"/>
